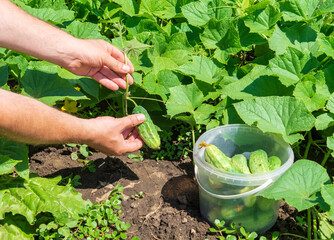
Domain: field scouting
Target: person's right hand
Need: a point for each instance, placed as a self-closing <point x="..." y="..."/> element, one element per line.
<point x="115" y="136"/>
<point x="100" y="60"/>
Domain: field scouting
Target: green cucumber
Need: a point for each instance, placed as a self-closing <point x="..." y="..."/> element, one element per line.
<point x="274" y="162"/>
<point x="217" y="158"/>
<point x="258" y="161"/>
<point x="147" y="129"/>
<point x="240" y="162"/>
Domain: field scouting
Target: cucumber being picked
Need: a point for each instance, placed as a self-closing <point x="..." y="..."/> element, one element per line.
<point x="147" y="129"/>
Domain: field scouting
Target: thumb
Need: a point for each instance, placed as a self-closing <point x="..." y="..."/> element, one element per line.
<point x="132" y="120"/>
<point x="115" y="65"/>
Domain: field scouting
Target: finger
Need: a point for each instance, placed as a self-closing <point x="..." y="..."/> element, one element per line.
<point x="131" y="121"/>
<point x="133" y="145"/>
<point x="100" y="78"/>
<point x="126" y="133"/>
<point x="113" y="77"/>
<point x="134" y="135"/>
<point x="119" y="55"/>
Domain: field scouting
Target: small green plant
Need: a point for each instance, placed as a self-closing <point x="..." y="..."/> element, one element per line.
<point x="233" y="233"/>
<point x="136" y="156"/>
<point x="99" y="221"/>
<point x="73" y="181"/>
<point x="137" y="196"/>
<point x="81" y="156"/>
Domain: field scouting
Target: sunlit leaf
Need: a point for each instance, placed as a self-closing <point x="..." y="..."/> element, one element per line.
<point x="306" y="179"/>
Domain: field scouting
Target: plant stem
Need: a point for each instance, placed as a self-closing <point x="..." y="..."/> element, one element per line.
<point x="294" y="235"/>
<point x="125" y="96"/>
<point x="193" y="135"/>
<point x="309" y="142"/>
<point x="132" y="101"/>
<point x="145" y="98"/>
<point x="323" y="219"/>
<point x="326" y="157"/>
<point x="309" y="224"/>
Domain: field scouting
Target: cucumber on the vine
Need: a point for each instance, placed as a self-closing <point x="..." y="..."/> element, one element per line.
<point x="147" y="129"/>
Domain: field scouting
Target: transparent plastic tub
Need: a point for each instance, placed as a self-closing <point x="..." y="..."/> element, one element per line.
<point x="232" y="196"/>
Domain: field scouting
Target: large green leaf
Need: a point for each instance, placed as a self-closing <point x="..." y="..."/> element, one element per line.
<point x="327" y="193"/>
<point x="330" y="103"/>
<point x="130" y="7"/>
<point x="198" y="13"/>
<point x="42" y="82"/>
<point x="55" y="16"/>
<point x="7" y="164"/>
<point x="161" y="84"/>
<point x="202" y="114"/>
<point x="152" y="7"/>
<point x="292" y="65"/>
<point x="202" y="68"/>
<point x="36" y="195"/>
<point x="86" y="30"/>
<point x="283" y="115"/>
<point x="169" y="52"/>
<point x="173" y="8"/>
<point x="299" y="185"/>
<point x="299" y="10"/>
<point x="327" y="6"/>
<point x="327" y="45"/>
<point x="230" y="45"/>
<point x="214" y="33"/>
<point x="300" y="36"/>
<point x="135" y="48"/>
<point x="184" y="99"/>
<point x="263" y="21"/>
<point x="16" y="152"/>
<point x="324" y="121"/>
<point x="15" y="227"/>
<point x="313" y="91"/>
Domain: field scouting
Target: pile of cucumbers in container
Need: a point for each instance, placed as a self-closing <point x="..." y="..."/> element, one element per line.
<point x="252" y="212"/>
<point x="258" y="161"/>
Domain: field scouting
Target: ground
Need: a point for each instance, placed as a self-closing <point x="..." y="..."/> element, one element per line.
<point x="169" y="208"/>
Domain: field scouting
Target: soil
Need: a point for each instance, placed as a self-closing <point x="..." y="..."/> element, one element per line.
<point x="170" y="206"/>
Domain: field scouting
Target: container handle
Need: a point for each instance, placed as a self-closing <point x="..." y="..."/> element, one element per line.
<point x="253" y="191"/>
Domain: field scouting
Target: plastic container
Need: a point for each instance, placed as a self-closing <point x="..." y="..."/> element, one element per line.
<point x="232" y="196"/>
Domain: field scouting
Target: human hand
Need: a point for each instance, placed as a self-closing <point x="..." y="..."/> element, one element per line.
<point x="100" y="60"/>
<point x="115" y="136"/>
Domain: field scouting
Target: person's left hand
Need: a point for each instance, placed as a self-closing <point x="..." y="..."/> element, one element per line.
<point x="100" y="60"/>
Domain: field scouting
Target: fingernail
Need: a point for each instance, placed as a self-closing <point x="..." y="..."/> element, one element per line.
<point x="141" y="117"/>
<point x="126" y="68"/>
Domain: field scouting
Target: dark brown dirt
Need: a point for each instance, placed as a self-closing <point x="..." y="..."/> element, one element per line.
<point x="170" y="206"/>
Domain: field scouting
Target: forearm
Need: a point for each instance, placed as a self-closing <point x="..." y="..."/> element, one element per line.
<point x="24" y="33"/>
<point x="27" y="120"/>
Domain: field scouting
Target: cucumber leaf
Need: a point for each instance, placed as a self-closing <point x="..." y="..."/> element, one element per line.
<point x="263" y="21"/>
<point x="202" y="68"/>
<point x="302" y="192"/>
<point x="184" y="99"/>
<point x="327" y="192"/>
<point x="16" y="152"/>
<point x="283" y="115"/>
<point x="299" y="10"/>
<point x="42" y="82"/>
<point x="130" y="7"/>
<point x="313" y="91"/>
<point x="292" y="65"/>
<point x="324" y="121"/>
